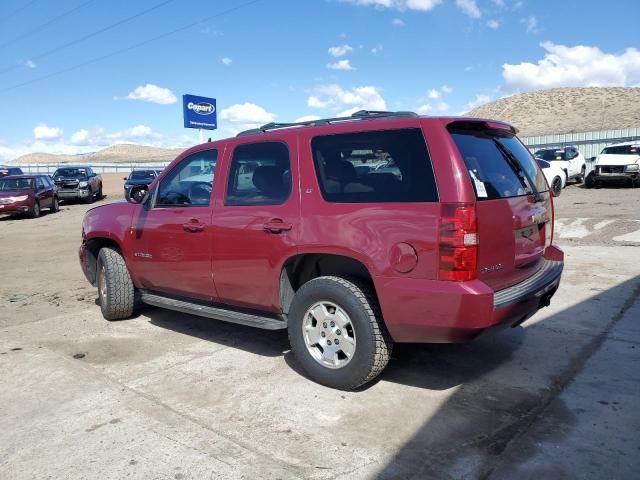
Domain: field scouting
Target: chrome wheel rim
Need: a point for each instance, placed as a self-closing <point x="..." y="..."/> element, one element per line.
<point x="36" y="209"/>
<point x="329" y="334"/>
<point x="102" y="285"/>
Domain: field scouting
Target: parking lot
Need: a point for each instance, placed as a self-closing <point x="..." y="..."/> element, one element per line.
<point x="171" y="396"/>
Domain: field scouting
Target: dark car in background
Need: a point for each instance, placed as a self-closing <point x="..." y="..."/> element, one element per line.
<point x="6" y="171"/>
<point x="140" y="177"/>
<point x="78" y="182"/>
<point x="28" y="194"/>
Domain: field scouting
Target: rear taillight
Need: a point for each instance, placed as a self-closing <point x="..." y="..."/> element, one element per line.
<point x="458" y="242"/>
<point x="549" y="227"/>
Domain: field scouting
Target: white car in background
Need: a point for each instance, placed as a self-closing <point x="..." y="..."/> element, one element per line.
<point x="619" y="162"/>
<point x="555" y="175"/>
<point x="569" y="159"/>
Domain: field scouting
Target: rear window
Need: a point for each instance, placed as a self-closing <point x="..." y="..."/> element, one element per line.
<point x="498" y="164"/>
<point x="142" y="175"/>
<point x="16" y="184"/>
<point x="622" y="150"/>
<point x="374" y="167"/>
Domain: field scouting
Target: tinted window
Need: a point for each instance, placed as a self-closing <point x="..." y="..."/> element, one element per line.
<point x="16" y="184"/>
<point x="142" y="175"/>
<point x="71" y="172"/>
<point x="39" y="182"/>
<point x="260" y="174"/>
<point x="498" y="164"/>
<point x="374" y="167"/>
<point x="190" y="182"/>
<point x="622" y="150"/>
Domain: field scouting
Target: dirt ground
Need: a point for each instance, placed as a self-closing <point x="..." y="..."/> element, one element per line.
<point x="173" y="396"/>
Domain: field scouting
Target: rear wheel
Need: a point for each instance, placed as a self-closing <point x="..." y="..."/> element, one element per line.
<point x="590" y="180"/>
<point x="55" y="205"/>
<point x="337" y="333"/>
<point x="115" y="288"/>
<point x="556" y="186"/>
<point x="35" y="210"/>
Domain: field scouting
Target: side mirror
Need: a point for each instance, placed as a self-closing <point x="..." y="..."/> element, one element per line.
<point x="136" y="194"/>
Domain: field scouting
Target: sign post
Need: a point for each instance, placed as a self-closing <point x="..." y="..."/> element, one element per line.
<point x="199" y="112"/>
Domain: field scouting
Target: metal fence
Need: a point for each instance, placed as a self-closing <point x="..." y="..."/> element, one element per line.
<point x="590" y="144"/>
<point x="125" y="168"/>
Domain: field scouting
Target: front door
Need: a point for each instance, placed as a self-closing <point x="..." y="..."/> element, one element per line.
<point x="256" y="225"/>
<point x="173" y="235"/>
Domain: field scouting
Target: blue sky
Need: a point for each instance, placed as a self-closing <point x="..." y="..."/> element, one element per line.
<point x="286" y="59"/>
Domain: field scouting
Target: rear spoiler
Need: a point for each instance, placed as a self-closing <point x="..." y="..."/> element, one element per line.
<point x="482" y="124"/>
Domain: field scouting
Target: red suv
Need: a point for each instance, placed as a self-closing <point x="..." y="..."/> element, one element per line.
<point x="351" y="233"/>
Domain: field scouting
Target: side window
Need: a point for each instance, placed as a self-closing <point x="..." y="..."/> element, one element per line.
<point x="39" y="183"/>
<point x="190" y="182"/>
<point x="379" y="166"/>
<point x="259" y="174"/>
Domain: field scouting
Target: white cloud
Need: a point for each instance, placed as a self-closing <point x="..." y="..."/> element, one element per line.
<point x="469" y="7"/>
<point x="343" y="64"/>
<point x="153" y="93"/>
<point x="137" y="132"/>
<point x="493" y="24"/>
<point x="397" y="22"/>
<point x="422" y="5"/>
<point x="227" y="61"/>
<point x="340" y="50"/>
<point x="45" y="133"/>
<point x="246" y="114"/>
<point x="442" y="107"/>
<point x="81" y="137"/>
<point x="377" y="49"/>
<point x="28" y="63"/>
<point x="335" y="97"/>
<point x="437" y="93"/>
<point x="578" y="66"/>
<point x="434" y="94"/>
<point x="479" y="100"/>
<point x="307" y="118"/>
<point x="499" y="3"/>
<point x="446" y="89"/>
<point x="468" y="68"/>
<point x="531" y="23"/>
<point x="424" y="109"/>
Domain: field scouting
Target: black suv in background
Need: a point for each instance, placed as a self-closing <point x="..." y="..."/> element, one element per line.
<point x="78" y="182"/>
<point x="6" y="171"/>
<point x="139" y="177"/>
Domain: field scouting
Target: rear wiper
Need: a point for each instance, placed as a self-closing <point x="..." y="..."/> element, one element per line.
<point x="519" y="169"/>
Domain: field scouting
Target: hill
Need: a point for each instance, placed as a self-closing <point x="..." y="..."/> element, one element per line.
<point x="566" y="110"/>
<point x="121" y="153"/>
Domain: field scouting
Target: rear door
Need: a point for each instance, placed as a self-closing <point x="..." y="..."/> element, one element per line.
<point x="256" y="225"/>
<point x="513" y="203"/>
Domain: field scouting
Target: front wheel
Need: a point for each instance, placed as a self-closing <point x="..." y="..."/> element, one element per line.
<point x="580" y="178"/>
<point x="337" y="333"/>
<point x="100" y="196"/>
<point x="556" y="186"/>
<point x="590" y="180"/>
<point x="35" y="210"/>
<point x="89" y="198"/>
<point x="55" y="205"/>
<point x="115" y="288"/>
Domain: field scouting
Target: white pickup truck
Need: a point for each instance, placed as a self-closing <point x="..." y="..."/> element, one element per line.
<point x="568" y="159"/>
<point x="619" y="162"/>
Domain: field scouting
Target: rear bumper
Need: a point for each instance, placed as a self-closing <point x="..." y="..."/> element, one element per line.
<point x="427" y="311"/>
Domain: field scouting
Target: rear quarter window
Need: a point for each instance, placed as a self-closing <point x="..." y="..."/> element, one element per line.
<point x="374" y="167"/>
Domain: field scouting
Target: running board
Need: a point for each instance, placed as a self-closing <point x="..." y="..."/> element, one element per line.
<point x="232" y="316"/>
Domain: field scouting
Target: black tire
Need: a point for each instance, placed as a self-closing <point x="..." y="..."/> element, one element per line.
<point x="55" y="206"/>
<point x="580" y="178"/>
<point x="35" y="210"/>
<point x="590" y="180"/>
<point x="89" y="198"/>
<point x="116" y="292"/>
<point x="556" y="186"/>
<point x="373" y="346"/>
<point x="99" y="197"/>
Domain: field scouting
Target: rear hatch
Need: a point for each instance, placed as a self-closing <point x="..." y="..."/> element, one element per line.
<point x="514" y="210"/>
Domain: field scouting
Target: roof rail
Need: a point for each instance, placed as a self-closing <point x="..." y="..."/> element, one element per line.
<point x="359" y="115"/>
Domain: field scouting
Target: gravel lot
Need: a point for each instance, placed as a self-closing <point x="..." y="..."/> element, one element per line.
<point x="172" y="396"/>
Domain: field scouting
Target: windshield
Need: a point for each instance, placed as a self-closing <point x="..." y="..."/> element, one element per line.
<point x="142" y="175"/>
<point x="70" y="172"/>
<point x="552" y="154"/>
<point x="622" y="150"/>
<point x="498" y="164"/>
<point x="16" y="184"/>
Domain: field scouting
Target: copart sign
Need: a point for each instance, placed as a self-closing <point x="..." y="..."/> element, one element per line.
<point x="199" y="112"/>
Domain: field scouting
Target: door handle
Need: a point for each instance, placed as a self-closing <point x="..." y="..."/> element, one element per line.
<point x="277" y="226"/>
<point x="193" y="226"/>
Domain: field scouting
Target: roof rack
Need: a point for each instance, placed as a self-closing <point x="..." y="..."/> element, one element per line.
<point x="359" y="115"/>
